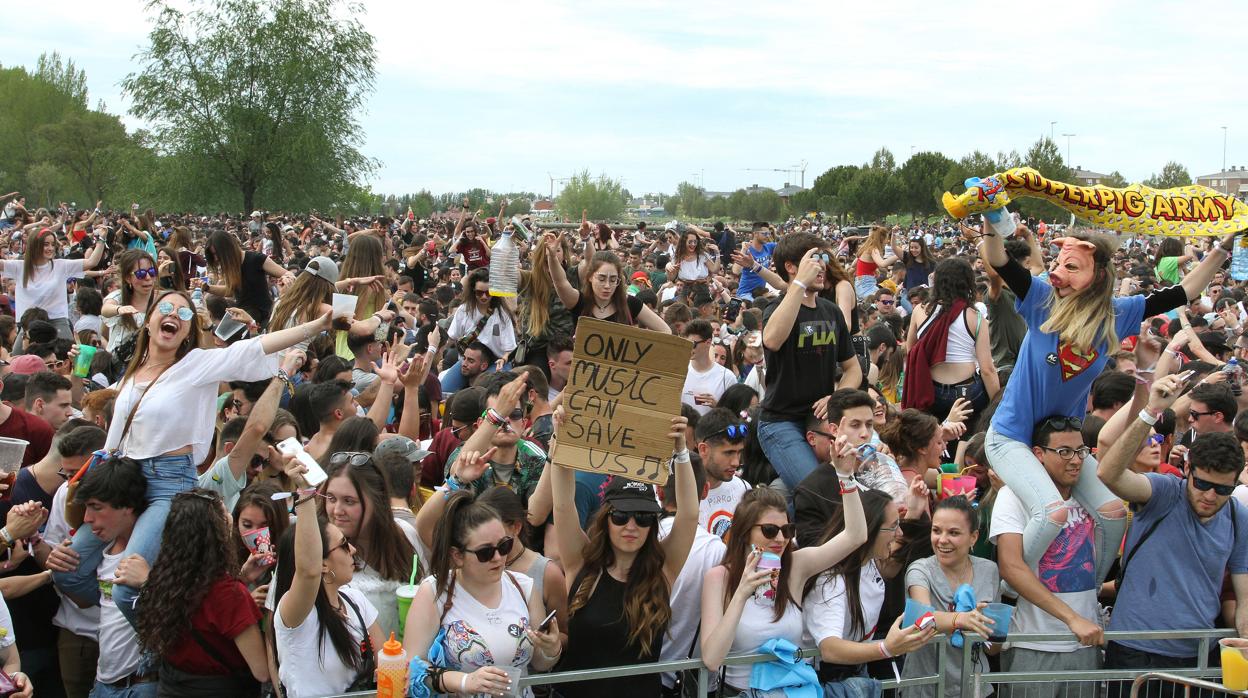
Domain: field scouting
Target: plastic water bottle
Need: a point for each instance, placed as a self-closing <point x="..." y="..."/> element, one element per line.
<point x="519" y="224"/>
<point x="392" y="670"/>
<point x="1232" y="375"/>
<point x="197" y="298"/>
<point x="504" y="267"/>
<point x="1239" y="259"/>
<point x="1001" y="222"/>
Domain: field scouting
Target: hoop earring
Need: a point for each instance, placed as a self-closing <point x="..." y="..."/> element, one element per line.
<point x="333" y="577"/>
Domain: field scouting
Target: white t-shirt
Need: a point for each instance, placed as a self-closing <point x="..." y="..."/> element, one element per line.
<point x="714" y="380"/>
<point x="686" y="599"/>
<point x="380" y="591"/>
<point x="220" y="479"/>
<point x="825" y="611"/>
<point x="181" y="409"/>
<point x="694" y="270"/>
<point x="118" y="331"/>
<point x="47" y="285"/>
<point x="477" y="635"/>
<point x="1067" y="569"/>
<point x="310" y="667"/>
<point x="715" y="512"/>
<point x="79" y="621"/>
<point x="116" y="633"/>
<point x="7" y="636"/>
<point x="498" y="333"/>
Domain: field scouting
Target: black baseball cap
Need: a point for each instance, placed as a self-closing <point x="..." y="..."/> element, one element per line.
<point x="632" y="496"/>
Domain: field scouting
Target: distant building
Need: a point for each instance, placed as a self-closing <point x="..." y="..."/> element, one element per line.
<point x="788" y="190"/>
<point x="1088" y="177"/>
<point x="1233" y="181"/>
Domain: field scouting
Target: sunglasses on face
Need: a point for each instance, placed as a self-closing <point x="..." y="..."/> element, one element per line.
<point x="644" y="519"/>
<point x="344" y="546"/>
<point x="1205" y="486"/>
<point x="1155" y="439"/>
<point x="482" y="291"/>
<point x="770" y="531"/>
<point x="1197" y="414"/>
<point x="148" y="273"/>
<point x="889" y="301"/>
<point x="353" y="458"/>
<point x="486" y="552"/>
<point x="165" y="308"/>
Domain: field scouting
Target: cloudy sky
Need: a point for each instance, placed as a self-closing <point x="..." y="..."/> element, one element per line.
<point x="660" y="92"/>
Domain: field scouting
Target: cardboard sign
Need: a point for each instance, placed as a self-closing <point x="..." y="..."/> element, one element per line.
<point x="1187" y="210"/>
<point x="623" y="390"/>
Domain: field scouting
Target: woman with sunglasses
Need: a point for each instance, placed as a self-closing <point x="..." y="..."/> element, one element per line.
<point x="607" y="298"/>
<point x="619" y="564"/>
<point x="357" y="501"/>
<point x="1073" y="320"/>
<point x="325" y="632"/>
<point x="480" y="614"/>
<point x="842" y="604"/>
<point x="934" y="581"/>
<point x="170" y="375"/>
<point x="195" y="616"/>
<point x="41" y="278"/>
<point x="745" y="605"/>
<point x="480" y="317"/>
<point x="125" y="308"/>
<point x="696" y="258"/>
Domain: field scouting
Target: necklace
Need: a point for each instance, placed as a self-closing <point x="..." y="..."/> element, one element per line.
<point x="957" y="578"/>
<point x="523" y="550"/>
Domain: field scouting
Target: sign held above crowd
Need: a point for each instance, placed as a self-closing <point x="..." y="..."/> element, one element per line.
<point x="623" y="390"/>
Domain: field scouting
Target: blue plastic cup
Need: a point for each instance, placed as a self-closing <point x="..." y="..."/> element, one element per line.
<point x="999" y="614"/>
<point x="914" y="611"/>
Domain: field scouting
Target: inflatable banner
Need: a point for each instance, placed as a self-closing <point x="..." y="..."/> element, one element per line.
<point x="1190" y="210"/>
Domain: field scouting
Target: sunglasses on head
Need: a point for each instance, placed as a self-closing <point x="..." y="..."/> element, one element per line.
<point x="486" y="552"/>
<point x="644" y="519"/>
<point x="148" y="273"/>
<point x="1205" y="486"/>
<point x="165" y="308"/>
<point x="735" y="431"/>
<point x="1063" y="423"/>
<point x="353" y="458"/>
<point x="788" y="530"/>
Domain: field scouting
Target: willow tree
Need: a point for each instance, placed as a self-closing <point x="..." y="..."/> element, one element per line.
<point x="260" y="96"/>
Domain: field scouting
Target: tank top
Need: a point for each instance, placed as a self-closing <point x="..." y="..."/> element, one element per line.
<point x="537" y="573"/>
<point x="598" y="638"/>
<point x="865" y="267"/>
<point x="959" y="345"/>
<point x="756" y="627"/>
<point x="478" y="636"/>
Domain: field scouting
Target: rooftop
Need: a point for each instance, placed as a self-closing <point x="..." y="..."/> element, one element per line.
<point x="1234" y="173"/>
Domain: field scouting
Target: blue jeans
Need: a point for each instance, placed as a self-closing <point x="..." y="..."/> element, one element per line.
<point x="1027" y="478"/>
<point x="138" y="690"/>
<point x="166" y="476"/>
<point x="785" y="445"/>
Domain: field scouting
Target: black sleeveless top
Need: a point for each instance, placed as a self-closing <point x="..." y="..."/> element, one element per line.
<point x="598" y="638"/>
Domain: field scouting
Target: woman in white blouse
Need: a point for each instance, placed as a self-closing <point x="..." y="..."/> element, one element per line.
<point x="480" y="317"/>
<point x="41" y="278"/>
<point x="165" y="419"/>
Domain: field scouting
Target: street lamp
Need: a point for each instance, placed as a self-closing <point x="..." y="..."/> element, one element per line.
<point x="1224" y="149"/>
<point x="1068" y="136"/>
<point x="1051" y="125"/>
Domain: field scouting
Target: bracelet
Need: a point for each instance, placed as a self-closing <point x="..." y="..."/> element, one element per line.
<point x="8" y="537"/>
<point x="463" y="682"/>
<point x="754" y="269"/>
<point x="799" y="284"/>
<point x="453" y="484"/>
<point x="849" y="486"/>
<point x="681" y="456"/>
<point x="955" y="621"/>
<point x="1145" y="416"/>
<point x="285" y="378"/>
<point x="884" y="650"/>
<point x="549" y="658"/>
<point x="493" y="417"/>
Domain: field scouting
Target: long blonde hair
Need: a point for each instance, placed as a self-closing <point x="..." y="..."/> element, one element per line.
<point x="302" y="301"/>
<point x="1086" y="318"/>
<point x="539" y="290"/>
<point x="875" y="241"/>
<point x="365" y="257"/>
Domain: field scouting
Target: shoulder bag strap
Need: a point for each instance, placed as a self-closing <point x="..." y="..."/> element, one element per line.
<point x="368" y="640"/>
<point x="1122" y="571"/>
<point x="476" y="331"/>
<point x="212" y="652"/>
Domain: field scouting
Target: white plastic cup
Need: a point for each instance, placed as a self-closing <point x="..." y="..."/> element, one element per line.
<point x="344" y="304"/>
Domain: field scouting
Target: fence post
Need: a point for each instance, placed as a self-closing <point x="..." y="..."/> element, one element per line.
<point x="968" y="644"/>
<point x="704" y="681"/>
<point x="942" y="651"/>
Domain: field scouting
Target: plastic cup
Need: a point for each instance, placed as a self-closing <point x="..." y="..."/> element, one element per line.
<point x="516" y="673"/>
<point x="82" y="365"/>
<point x="344" y="304"/>
<point x="1000" y="614"/>
<point x="914" y="611"/>
<point x="953" y="485"/>
<point x="404" y="595"/>
<point x="1234" y="663"/>
<point x="258" y="541"/>
<point x="11" y="452"/>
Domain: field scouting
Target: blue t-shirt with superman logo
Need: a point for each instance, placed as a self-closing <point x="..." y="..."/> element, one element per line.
<point x="1050" y="378"/>
<point x="750" y="280"/>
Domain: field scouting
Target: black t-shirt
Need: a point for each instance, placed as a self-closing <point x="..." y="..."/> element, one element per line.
<point x="806" y="367"/>
<point x="254" y="296"/>
<point x="634" y="309"/>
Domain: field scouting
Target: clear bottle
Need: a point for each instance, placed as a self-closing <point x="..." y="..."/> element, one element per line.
<point x="197" y="298"/>
<point x="1239" y="259"/>
<point x="504" y="267"/>
<point x="1001" y="222"/>
<point x="392" y="670"/>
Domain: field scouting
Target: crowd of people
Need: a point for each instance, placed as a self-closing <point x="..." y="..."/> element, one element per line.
<point x="258" y="450"/>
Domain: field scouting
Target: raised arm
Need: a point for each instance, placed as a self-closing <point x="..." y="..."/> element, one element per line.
<point x="298" y="601"/>
<point x="554" y="264"/>
<point x="260" y="419"/>
<point x="808" y="562"/>
<point x="685" y="526"/>
<point x="778" y="326"/>
<point x="1114" y="468"/>
<point x="284" y="339"/>
<point x="1195" y="281"/>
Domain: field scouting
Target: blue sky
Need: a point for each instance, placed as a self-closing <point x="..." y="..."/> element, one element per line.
<point x="656" y="93"/>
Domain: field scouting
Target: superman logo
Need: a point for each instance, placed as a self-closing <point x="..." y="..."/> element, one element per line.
<point x="1074" y="362"/>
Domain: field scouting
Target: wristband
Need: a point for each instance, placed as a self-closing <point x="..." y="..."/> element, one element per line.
<point x="8" y="537"/>
<point x="453" y="484"/>
<point x="493" y="417"/>
<point x="1145" y="416"/>
<point x="884" y="650"/>
<point x="799" y="284"/>
<point x="463" y="682"/>
<point x="681" y="456"/>
<point x="754" y="269"/>
<point x="848" y="485"/>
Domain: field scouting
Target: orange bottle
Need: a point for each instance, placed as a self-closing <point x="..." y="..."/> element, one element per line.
<point x="392" y="670"/>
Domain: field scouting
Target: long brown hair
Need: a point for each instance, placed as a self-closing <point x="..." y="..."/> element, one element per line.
<point x="127" y="262"/>
<point x="876" y="240"/>
<point x="647" y="595"/>
<point x="682" y="251"/>
<point x="225" y="256"/>
<point x="750" y="509"/>
<point x="619" y="299"/>
<point x="302" y="300"/>
<point x="1086" y="317"/>
<point x="389" y="552"/>
<point x="192" y="340"/>
<point x="463" y="515"/>
<point x="34" y="246"/>
<point x="539" y="291"/>
<point x="874" y="505"/>
<point x="365" y="257"/>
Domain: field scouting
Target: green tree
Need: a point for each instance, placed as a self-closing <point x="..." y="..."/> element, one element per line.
<point x="90" y="145"/>
<point x="260" y="95"/>
<point x="872" y="194"/>
<point x="1172" y="175"/>
<point x="883" y="160"/>
<point x="598" y="196"/>
<point x="922" y="179"/>
<point x="827" y="189"/>
<point x="43" y="178"/>
<point x="1046" y="158"/>
<point x="64" y="76"/>
<point x="1115" y="179"/>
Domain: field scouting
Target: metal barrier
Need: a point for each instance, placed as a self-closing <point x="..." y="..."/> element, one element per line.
<point x="1204" y="689"/>
<point x="1083" y="684"/>
<point x="1075" y="684"/>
